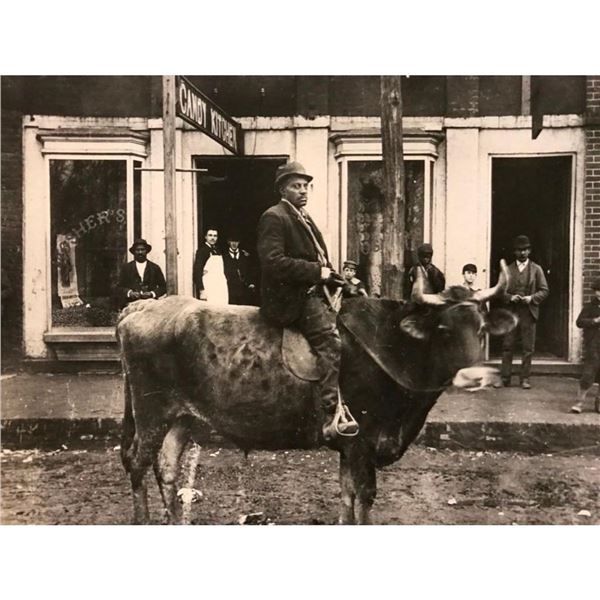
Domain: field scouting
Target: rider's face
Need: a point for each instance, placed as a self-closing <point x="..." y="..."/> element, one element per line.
<point x="295" y="190"/>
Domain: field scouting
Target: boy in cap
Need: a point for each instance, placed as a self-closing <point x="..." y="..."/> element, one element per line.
<point x="141" y="278"/>
<point x="295" y="267"/>
<point x="527" y="289"/>
<point x="354" y="286"/>
<point x="589" y="321"/>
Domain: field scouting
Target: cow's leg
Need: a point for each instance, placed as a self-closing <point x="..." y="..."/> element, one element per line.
<point x="348" y="491"/>
<point x="167" y="466"/>
<point x="359" y="479"/>
<point x="149" y="404"/>
<point x="127" y="428"/>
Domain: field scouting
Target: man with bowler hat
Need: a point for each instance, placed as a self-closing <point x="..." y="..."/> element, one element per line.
<point x="527" y="289"/>
<point x="295" y="268"/>
<point x="589" y="321"/>
<point x="141" y="278"/>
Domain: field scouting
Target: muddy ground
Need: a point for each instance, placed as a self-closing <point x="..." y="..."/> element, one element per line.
<point x="298" y="487"/>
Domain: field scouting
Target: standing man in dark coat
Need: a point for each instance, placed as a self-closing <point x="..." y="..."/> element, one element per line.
<point x="140" y="278"/>
<point x="435" y="282"/>
<point x="238" y="272"/>
<point x="589" y="321"/>
<point x="295" y="266"/>
<point x="527" y="289"/>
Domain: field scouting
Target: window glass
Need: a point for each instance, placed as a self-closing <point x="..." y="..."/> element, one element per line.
<point x="88" y="206"/>
<point x="365" y="219"/>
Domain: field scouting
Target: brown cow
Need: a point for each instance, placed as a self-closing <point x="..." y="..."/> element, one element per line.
<point x="184" y="361"/>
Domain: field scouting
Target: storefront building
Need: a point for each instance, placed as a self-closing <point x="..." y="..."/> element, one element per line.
<point x="82" y="178"/>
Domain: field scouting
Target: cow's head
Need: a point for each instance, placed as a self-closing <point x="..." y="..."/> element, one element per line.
<point x="453" y="324"/>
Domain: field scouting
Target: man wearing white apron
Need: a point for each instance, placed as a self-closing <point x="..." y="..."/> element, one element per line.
<point x="209" y="274"/>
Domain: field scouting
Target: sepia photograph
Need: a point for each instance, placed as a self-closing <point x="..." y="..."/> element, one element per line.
<point x="270" y="273"/>
<point x="219" y="290"/>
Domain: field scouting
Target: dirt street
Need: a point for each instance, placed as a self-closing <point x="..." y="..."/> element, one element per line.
<point x="297" y="487"/>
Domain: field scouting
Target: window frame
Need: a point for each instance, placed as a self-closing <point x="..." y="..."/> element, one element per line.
<point x="129" y="182"/>
<point x="367" y="147"/>
<point x="64" y="138"/>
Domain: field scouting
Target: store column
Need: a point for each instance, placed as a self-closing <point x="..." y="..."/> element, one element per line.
<point x="463" y="225"/>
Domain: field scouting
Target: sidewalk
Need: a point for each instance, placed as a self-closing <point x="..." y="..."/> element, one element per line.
<point x="45" y="410"/>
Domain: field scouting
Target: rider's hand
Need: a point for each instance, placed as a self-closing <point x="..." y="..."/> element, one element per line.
<point x="515" y="298"/>
<point x="325" y="273"/>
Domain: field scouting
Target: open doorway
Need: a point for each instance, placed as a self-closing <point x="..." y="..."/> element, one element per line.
<point x="532" y="196"/>
<point x="231" y="198"/>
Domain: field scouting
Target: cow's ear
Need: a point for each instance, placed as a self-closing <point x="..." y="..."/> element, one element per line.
<point x="416" y="326"/>
<point x="500" y="321"/>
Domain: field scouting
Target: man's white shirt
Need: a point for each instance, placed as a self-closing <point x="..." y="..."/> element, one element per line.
<point x="141" y="268"/>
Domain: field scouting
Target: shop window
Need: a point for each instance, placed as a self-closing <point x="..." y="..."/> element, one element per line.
<point x="88" y="212"/>
<point x="365" y="217"/>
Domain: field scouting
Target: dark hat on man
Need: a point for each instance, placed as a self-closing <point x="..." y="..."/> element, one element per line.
<point x="425" y="249"/>
<point x="350" y="263"/>
<point x="596" y="284"/>
<point x="140" y="242"/>
<point x="289" y="169"/>
<point x="470" y="267"/>
<point x="521" y="242"/>
<point x="233" y="235"/>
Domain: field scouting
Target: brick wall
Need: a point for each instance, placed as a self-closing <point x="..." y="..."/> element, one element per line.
<point x="88" y="96"/>
<point x="12" y="224"/>
<point x="462" y="96"/>
<point x="591" y="251"/>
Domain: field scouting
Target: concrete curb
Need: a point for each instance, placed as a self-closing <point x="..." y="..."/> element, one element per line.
<point x="535" y="438"/>
<point x="532" y="438"/>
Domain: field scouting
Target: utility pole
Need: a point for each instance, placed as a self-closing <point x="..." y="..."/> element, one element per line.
<point x="168" y="85"/>
<point x="394" y="206"/>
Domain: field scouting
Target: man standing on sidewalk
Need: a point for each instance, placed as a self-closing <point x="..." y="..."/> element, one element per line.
<point x="589" y="321"/>
<point x="527" y="289"/>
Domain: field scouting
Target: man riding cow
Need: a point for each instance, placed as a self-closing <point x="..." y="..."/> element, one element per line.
<point x="186" y="361"/>
<point x="295" y="273"/>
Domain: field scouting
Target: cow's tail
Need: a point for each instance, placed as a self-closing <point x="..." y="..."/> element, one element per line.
<point x="128" y="427"/>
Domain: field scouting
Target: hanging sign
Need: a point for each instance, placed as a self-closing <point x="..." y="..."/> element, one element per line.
<point x="201" y="112"/>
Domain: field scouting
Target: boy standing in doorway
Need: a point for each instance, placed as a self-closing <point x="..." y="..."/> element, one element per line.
<point x="469" y="273"/>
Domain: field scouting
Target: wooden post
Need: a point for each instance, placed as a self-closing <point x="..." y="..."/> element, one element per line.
<point x="393" y="176"/>
<point x="169" y="177"/>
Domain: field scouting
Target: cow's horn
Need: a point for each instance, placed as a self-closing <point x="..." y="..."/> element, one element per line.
<point x="485" y="295"/>
<point x="417" y="292"/>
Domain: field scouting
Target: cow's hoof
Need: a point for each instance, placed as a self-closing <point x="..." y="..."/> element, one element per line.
<point x="577" y="408"/>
